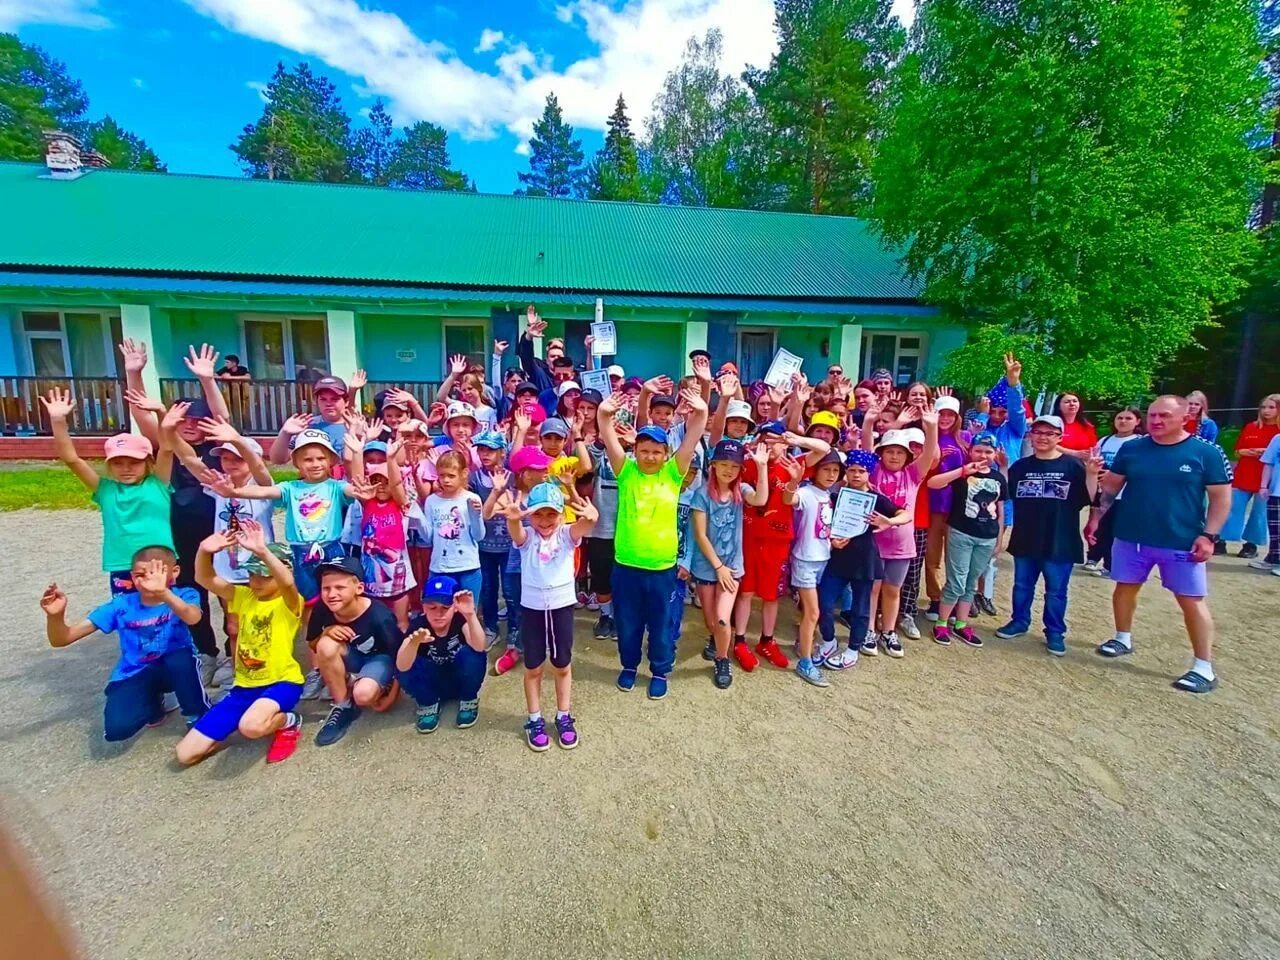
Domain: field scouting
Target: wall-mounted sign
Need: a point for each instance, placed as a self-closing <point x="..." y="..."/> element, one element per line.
<point x="406" y="356"/>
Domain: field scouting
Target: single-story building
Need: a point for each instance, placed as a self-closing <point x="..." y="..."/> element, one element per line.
<point x="300" y="279"/>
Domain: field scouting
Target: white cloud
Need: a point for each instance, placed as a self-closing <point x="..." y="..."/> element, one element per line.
<point x="489" y="39"/>
<point x="259" y="86"/>
<point x="904" y="10"/>
<point x="66" y="13"/>
<point x="636" y="44"/>
<point x="139" y="83"/>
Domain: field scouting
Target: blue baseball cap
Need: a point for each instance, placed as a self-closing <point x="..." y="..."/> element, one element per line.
<point x="439" y="589"/>
<point x="491" y="439"/>
<point x="772" y="426"/>
<point x="986" y="439"/>
<point x="652" y="432"/>
<point x="375" y="446"/>
<point x="729" y="450"/>
<point x="544" y="496"/>
<point x="554" y="427"/>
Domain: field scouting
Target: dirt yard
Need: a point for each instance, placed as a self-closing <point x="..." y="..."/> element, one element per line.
<point x="992" y="803"/>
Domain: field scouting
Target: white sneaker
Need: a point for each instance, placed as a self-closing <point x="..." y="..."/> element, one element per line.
<point x="908" y="627"/>
<point x="208" y="666"/>
<point x="1275" y="571"/>
<point x="843" y="660"/>
<point x="1262" y="565"/>
<point x="312" y="686"/>
<point x="825" y="651"/>
<point x="225" y="675"/>
<point x="490" y="638"/>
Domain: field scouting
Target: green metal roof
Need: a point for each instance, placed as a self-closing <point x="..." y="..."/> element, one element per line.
<point x="167" y="224"/>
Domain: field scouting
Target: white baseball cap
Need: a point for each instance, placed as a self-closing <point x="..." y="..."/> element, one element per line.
<point x="947" y="403"/>
<point x="739" y="409"/>
<point x="616" y="371"/>
<point x="312" y="436"/>
<point x="249" y="442"/>
<point x="566" y="387"/>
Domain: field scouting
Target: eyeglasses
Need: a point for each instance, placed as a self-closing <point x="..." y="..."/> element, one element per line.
<point x="1046" y="434"/>
<point x="835" y="372"/>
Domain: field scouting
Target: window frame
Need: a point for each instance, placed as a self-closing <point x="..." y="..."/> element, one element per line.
<point x="104" y="314"/>
<point x="286" y="322"/>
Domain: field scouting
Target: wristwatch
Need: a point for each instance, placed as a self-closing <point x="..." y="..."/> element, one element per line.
<point x="1212" y="537"/>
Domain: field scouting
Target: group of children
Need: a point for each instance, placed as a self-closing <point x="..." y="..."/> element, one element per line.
<point x="398" y="540"/>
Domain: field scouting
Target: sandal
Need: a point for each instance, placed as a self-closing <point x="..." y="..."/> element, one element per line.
<point x="1193" y="682"/>
<point x="1114" y="648"/>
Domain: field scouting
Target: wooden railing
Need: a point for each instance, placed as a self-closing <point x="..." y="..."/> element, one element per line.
<point x="100" y="407"/>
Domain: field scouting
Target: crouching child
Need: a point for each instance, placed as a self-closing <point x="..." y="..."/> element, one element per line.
<point x="443" y="655"/>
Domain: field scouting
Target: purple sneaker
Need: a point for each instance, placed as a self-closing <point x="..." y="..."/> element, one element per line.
<point x="567" y="734"/>
<point x="967" y="635"/>
<point x="535" y="732"/>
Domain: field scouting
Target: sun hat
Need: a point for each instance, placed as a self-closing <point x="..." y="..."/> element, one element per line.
<point x="729" y="450"/>
<point x="310" y="437"/>
<point x="457" y="410"/>
<point x="529" y="458"/>
<point x="554" y="427"/>
<point x="413" y="426"/>
<point x="861" y="458"/>
<point x="491" y="439"/>
<point x="740" y="410"/>
<point x="652" y="432"/>
<point x="999" y="394"/>
<point x="913" y="435"/>
<point x="566" y="387"/>
<point x="332" y="384"/>
<point x="546" y="496"/>
<point x="134" y="446"/>
<point x="896" y="438"/>
<point x="351" y="566"/>
<point x="439" y="589"/>
<point x="1050" y="419"/>
<point x="615" y="370"/>
<point x="280" y="551"/>
<point x="249" y="442"/>
<point x="947" y="403"/>
<point x="825" y="418"/>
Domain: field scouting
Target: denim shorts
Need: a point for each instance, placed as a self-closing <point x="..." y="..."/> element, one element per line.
<point x="307" y="558"/>
<point x="806" y="573"/>
<point x="1181" y="575"/>
<point x="373" y="666"/>
<point x="223" y="718"/>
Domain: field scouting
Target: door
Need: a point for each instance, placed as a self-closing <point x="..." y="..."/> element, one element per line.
<point x="264" y="349"/>
<point x="755" y="353"/>
<point x="47" y="353"/>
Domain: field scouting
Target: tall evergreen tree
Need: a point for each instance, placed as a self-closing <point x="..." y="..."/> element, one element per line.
<point x="373" y="147"/>
<point x="420" y="161"/>
<point x="304" y="132"/>
<point x="615" y="172"/>
<point x="819" y="98"/>
<point x="123" y="150"/>
<point x="1077" y="174"/>
<point x="555" y="158"/>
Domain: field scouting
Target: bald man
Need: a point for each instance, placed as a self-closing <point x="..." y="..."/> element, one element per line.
<point x="1162" y="522"/>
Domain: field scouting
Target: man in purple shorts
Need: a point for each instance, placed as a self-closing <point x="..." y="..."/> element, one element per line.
<point x="1161" y="522"/>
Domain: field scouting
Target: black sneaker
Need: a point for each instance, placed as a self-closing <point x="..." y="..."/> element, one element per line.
<point x="1219" y="549"/>
<point x="723" y="675"/>
<point x="604" y="627"/>
<point x="1248" y="551"/>
<point x="336" y="726"/>
<point x="709" y="651"/>
<point x="932" y="612"/>
<point x="985" y="605"/>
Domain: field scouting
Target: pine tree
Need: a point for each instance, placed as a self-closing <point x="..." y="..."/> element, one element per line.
<point x="122" y="149"/>
<point x="374" y="146"/>
<point x="555" y="158"/>
<point x="304" y="132"/>
<point x="420" y="161"/>
<point x="615" y="172"/>
<point x="36" y="94"/>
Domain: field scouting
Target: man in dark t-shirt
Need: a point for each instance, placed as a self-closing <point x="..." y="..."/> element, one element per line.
<point x="352" y="637"/>
<point x="1048" y="490"/>
<point x="1167" y="476"/>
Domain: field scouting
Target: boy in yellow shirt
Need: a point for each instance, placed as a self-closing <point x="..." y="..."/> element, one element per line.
<point x="268" y="680"/>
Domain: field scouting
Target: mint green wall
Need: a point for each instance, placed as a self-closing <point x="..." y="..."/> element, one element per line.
<point x="648" y="349"/>
<point x="942" y="340"/>
<point x="13" y="359"/>
<point x="184" y="328"/>
<point x="383" y="334"/>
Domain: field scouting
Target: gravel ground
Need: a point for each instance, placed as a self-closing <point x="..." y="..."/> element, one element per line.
<point x="979" y="803"/>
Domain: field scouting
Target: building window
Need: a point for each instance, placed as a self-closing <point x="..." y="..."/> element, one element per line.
<point x="902" y="354"/>
<point x="755" y="352"/>
<point x="70" y="343"/>
<point x="285" y="347"/>
<point x="467" y="338"/>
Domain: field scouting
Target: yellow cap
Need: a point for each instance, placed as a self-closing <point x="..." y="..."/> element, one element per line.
<point x="825" y="418"/>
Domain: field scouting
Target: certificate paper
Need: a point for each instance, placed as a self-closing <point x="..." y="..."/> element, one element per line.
<point x="852" y="514"/>
<point x="785" y="363"/>
<point x="604" y="339"/>
<point x="596" y="380"/>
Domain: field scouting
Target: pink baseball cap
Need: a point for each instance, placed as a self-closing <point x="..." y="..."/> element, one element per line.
<point x="130" y="445"/>
<point x="529" y="458"/>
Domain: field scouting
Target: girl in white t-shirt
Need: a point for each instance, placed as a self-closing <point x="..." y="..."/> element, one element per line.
<point x="547" y="601"/>
<point x="1127" y="424"/>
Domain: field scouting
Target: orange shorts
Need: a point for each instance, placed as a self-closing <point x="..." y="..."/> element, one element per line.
<point x="767" y="564"/>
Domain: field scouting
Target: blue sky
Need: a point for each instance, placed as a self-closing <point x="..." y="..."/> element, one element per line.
<point x="184" y="73"/>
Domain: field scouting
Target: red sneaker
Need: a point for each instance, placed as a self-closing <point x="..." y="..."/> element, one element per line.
<point x="284" y="743"/>
<point x="768" y="649"/>
<point x="746" y="659"/>
<point x="509" y="660"/>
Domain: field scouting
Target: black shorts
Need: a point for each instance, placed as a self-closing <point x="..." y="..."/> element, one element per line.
<point x="547" y="631"/>
<point x="600" y="564"/>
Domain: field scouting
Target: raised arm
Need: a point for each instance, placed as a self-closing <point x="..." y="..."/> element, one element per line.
<point x="515" y="514"/>
<point x="587" y="515"/>
<point x="464" y="604"/>
<point x="203" y="367"/>
<point x="54" y="604"/>
<point x="134" y="356"/>
<point x="929" y="452"/>
<point x="204" y="573"/>
<point x="168" y="430"/>
<point x="727" y="385"/>
<point x="457" y="367"/>
<point x="695" y="425"/>
<point x="609" y="433"/>
<point x="1017" y="411"/>
<point x="253" y="539"/>
<point x="495" y="367"/>
<point x="279" y="452"/>
<point x="58" y="405"/>
<point x="155" y="578"/>
<point x="814" y="450"/>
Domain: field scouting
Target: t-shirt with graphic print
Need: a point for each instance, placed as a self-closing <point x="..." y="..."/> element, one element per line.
<point x="442" y="648"/>
<point x="975" y="503"/>
<point x="264" y="647"/>
<point x="685" y="546"/>
<point x="724" y="530"/>
<point x="813" y="524"/>
<point x="313" y="511"/>
<point x="1048" y="496"/>
<point x="228" y="514"/>
<point x="146" y="633"/>
<point x="456" y="531"/>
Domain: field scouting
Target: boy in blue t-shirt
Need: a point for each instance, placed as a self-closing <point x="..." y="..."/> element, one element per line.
<point x="157" y="655"/>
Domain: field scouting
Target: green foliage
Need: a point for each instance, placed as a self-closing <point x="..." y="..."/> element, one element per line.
<point x="124" y="150"/>
<point x="615" y="172"/>
<point x="1077" y="173"/>
<point x="820" y="99"/>
<point x="373" y="147"/>
<point x="304" y="132"/>
<point x="555" y="157"/>
<point x="420" y="161"/>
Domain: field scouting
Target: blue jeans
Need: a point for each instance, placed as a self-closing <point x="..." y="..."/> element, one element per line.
<point x="1254" y="529"/>
<point x="642" y="600"/>
<point x="1057" y="577"/>
<point x="429" y="682"/>
<point x="832" y="590"/>
<point x="135" y="701"/>
<point x="675" y="613"/>
<point x="467" y="580"/>
<point x="494" y="574"/>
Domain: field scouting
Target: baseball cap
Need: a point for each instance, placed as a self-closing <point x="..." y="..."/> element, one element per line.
<point x="491" y="439"/>
<point x="694" y="354"/>
<point x="1050" y="419"/>
<point x="772" y="426"/>
<point x="458" y="409"/>
<point x="593" y="396"/>
<point x="280" y="551"/>
<point x="527" y="387"/>
<point x="546" y="495"/>
<point x="895" y="438"/>
<point x="947" y="403"/>
<point x="413" y="426"/>
<point x="383" y="399"/>
<point x="729" y="450"/>
<point x="861" y="458"/>
<point x="652" y="432"/>
<point x="529" y="458"/>
<point x="633" y="382"/>
<point x="615" y="370"/>
<point x="312" y="436"/>
<point x="986" y="439"/>
<point x="335" y="384"/>
<point x="831" y="456"/>
<point x="249" y="442"/>
<point x="740" y="410"/>
<point x="566" y="387"/>
<point x="439" y="589"/>
<point x="662" y="401"/>
<point x="197" y="408"/>
<point x="131" y="445"/>
<point x="825" y="418"/>
<point x="375" y="446"/>
<point x="351" y="566"/>
<point x="555" y="427"/>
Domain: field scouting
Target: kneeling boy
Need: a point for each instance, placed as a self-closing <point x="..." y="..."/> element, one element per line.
<point x="443" y="654"/>
<point x="156" y="652"/>
<point x="268" y="680"/>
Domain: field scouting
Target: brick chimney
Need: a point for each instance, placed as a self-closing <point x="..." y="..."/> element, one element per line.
<point x="92" y="158"/>
<point x="67" y="158"/>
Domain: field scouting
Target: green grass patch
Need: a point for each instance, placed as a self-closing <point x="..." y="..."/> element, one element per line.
<point x="25" y="485"/>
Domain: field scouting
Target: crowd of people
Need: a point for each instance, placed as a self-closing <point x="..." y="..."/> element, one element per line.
<point x="416" y="540"/>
